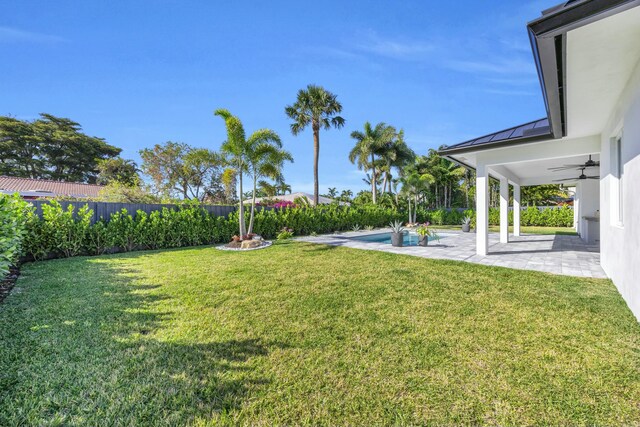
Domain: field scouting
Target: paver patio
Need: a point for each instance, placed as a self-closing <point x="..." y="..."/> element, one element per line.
<point x="557" y="254"/>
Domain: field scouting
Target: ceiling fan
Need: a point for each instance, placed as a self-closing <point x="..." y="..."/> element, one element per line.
<point x="588" y="164"/>
<point x="582" y="176"/>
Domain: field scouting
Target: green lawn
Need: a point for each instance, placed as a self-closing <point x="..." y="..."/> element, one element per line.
<point x="310" y="334"/>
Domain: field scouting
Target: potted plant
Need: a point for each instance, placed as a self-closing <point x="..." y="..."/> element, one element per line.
<point x="466" y="224"/>
<point x="397" y="233"/>
<point x="424" y="233"/>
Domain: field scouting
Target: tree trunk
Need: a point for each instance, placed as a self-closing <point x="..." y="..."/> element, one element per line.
<point x="253" y="206"/>
<point x="384" y="184"/>
<point x="409" y="202"/>
<point x="243" y="230"/>
<point x="466" y="188"/>
<point x="415" y="209"/>
<point x="316" y="155"/>
<point x="374" y="187"/>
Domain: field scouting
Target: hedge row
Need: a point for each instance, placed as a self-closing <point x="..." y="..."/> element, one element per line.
<point x="532" y="216"/>
<point x="68" y="232"/>
<point x="13" y="216"/>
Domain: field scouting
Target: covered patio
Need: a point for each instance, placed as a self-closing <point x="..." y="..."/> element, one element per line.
<point x="571" y="162"/>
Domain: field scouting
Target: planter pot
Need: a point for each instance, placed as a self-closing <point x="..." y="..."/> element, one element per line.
<point x="397" y="239"/>
<point x="423" y="241"/>
<point x="466" y="227"/>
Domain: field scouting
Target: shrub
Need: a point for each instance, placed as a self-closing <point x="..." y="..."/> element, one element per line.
<point x="285" y="233"/>
<point x="68" y="232"/>
<point x="65" y="230"/>
<point x="13" y="221"/>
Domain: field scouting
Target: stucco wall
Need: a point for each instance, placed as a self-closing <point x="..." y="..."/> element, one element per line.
<point x="620" y="245"/>
<point x="588" y="200"/>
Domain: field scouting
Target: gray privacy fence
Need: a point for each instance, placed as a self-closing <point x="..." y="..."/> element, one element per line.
<point x="105" y="209"/>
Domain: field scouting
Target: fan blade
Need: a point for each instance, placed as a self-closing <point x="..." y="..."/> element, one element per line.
<point x="593" y="177"/>
<point x="566" y="179"/>
<point x="565" y="167"/>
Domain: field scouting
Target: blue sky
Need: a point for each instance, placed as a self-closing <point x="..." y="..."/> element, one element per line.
<point x="145" y="72"/>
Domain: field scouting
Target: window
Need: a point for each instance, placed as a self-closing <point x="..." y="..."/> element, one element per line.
<point x="617" y="169"/>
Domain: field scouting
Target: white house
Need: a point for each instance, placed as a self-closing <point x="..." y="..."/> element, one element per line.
<point x="587" y="53"/>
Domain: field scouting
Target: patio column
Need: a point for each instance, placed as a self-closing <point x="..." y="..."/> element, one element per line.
<point x="504" y="210"/>
<point x="482" y="209"/>
<point x="516" y="210"/>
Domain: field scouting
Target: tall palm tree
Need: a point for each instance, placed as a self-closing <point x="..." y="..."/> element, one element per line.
<point x="319" y="108"/>
<point x="243" y="154"/>
<point x="369" y="143"/>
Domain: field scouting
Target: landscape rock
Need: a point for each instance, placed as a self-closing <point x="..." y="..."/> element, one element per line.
<point x="248" y="244"/>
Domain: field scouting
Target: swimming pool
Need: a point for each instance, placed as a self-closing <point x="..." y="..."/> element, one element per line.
<point x="409" y="239"/>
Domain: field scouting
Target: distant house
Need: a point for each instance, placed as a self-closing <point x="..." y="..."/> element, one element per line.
<point x="292" y="198"/>
<point x="43" y="188"/>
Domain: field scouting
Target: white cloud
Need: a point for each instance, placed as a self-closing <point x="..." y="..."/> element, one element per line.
<point x="13" y="35"/>
<point x="397" y="48"/>
<point x="501" y="66"/>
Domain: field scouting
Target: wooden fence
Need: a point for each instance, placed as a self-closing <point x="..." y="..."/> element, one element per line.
<point x="105" y="209"/>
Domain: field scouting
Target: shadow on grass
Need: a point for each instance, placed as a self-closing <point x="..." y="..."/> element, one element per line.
<point x="121" y="350"/>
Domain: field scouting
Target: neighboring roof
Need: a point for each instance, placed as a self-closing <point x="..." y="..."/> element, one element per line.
<point x="548" y="42"/>
<point x="47" y="188"/>
<point x="293" y="196"/>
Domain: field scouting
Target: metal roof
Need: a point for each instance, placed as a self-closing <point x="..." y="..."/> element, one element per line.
<point x="548" y="39"/>
<point x="526" y="132"/>
<point x="47" y="188"/>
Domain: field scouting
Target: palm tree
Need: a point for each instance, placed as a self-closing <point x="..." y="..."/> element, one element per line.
<point x="281" y="187"/>
<point x="266" y="189"/>
<point x="395" y="154"/>
<point x="245" y="155"/>
<point x="370" y="143"/>
<point x="346" y="195"/>
<point x="266" y="160"/>
<point x="317" y="107"/>
<point x="416" y="179"/>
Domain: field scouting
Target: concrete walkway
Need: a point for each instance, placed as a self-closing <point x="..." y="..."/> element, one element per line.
<point x="557" y="254"/>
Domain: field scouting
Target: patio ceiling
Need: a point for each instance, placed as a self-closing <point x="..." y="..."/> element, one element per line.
<point x="529" y="164"/>
<point x="537" y="171"/>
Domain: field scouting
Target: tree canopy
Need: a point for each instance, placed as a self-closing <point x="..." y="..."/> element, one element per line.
<point x="51" y="148"/>
<point x="179" y="170"/>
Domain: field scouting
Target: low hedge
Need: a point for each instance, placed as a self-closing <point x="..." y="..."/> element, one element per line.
<point x="66" y="233"/>
<point x="531" y="216"/>
<point x="69" y="232"/>
<point x="13" y="218"/>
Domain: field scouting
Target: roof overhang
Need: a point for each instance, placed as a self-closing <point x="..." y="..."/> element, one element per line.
<point x="548" y="37"/>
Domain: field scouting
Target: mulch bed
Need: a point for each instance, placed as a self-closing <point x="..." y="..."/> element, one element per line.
<point x="7" y="283"/>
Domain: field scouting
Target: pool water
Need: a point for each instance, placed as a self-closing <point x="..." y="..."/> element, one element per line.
<point x="409" y="239"/>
